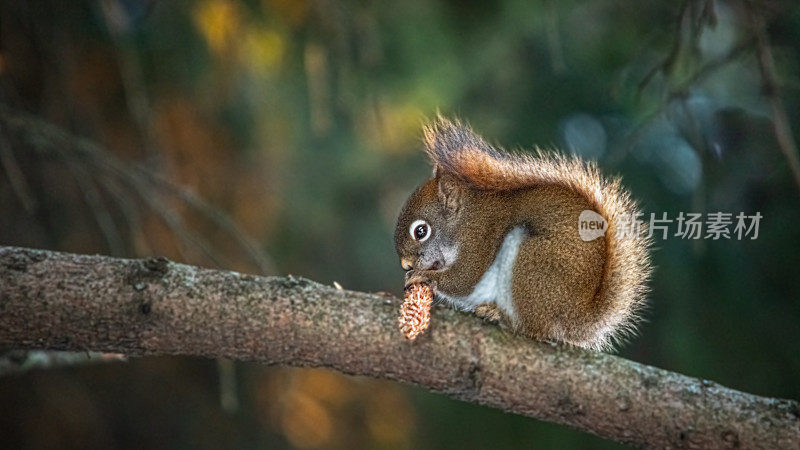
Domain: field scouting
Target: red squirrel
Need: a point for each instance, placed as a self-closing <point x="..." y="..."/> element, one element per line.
<point x="496" y="233"/>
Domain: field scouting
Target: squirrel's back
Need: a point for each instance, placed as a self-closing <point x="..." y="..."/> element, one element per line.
<point x="621" y="293"/>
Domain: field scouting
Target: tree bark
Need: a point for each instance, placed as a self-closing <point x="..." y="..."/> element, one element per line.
<point x="60" y="301"/>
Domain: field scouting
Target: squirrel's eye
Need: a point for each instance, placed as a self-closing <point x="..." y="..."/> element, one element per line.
<point x="420" y="230"/>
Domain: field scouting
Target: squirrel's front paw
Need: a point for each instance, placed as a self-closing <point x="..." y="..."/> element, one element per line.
<point x="489" y="312"/>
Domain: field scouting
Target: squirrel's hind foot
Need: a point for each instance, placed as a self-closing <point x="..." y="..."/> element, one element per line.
<point x="490" y="313"/>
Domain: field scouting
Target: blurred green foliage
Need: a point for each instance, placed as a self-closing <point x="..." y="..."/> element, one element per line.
<point x="301" y="119"/>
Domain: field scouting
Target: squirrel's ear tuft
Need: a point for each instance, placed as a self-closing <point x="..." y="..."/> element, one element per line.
<point x="443" y="136"/>
<point x="436" y="134"/>
<point x="450" y="192"/>
<point x="453" y="146"/>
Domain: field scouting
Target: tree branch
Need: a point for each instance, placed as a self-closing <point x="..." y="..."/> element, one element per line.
<point x="61" y="301"/>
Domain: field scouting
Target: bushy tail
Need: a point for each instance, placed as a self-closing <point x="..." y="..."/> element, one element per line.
<point x="455" y="149"/>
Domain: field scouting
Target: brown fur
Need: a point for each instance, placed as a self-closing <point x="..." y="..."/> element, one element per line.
<point x="583" y="293"/>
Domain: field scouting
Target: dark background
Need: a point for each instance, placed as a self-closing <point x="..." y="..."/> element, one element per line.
<point x="301" y="121"/>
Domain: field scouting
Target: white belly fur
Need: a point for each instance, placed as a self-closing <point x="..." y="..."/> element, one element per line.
<point x="495" y="285"/>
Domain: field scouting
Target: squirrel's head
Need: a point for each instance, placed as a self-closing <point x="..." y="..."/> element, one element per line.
<point x="425" y="235"/>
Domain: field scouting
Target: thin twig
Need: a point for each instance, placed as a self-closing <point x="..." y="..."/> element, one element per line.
<point x="668" y="62"/>
<point x="176" y="224"/>
<point x="223" y="221"/>
<point x="769" y="78"/>
<point x="93" y="200"/>
<point x="20" y="361"/>
<point x="150" y="187"/>
<point x="149" y="196"/>
<point x="677" y="92"/>
<point x="15" y="175"/>
<point x="117" y="22"/>
<point x="131" y="214"/>
<point x="554" y="43"/>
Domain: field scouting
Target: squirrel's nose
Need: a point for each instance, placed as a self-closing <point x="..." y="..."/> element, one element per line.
<point x="409" y="264"/>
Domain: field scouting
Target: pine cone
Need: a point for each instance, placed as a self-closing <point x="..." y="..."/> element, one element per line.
<point x="415" y="312"/>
